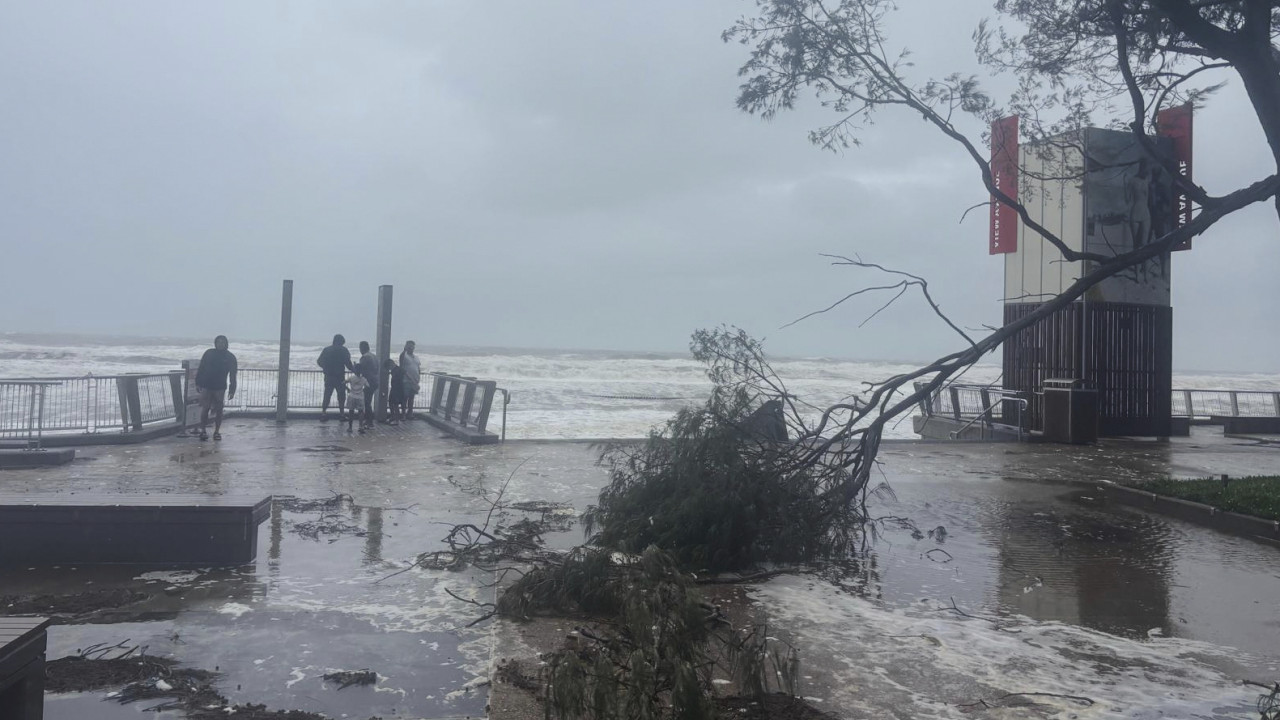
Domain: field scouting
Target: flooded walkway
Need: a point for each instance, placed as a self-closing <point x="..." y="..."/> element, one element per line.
<point x="1041" y="588"/>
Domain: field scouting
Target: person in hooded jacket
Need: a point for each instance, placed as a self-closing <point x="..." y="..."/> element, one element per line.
<point x="335" y="360"/>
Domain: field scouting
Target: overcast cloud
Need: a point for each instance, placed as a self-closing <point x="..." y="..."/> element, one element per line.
<point x="559" y="174"/>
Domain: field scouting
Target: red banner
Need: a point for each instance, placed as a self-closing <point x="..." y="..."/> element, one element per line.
<point x="1175" y="123"/>
<point x="1004" y="173"/>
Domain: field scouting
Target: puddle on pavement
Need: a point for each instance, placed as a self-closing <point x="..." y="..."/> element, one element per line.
<point x="312" y="604"/>
<point x="1042" y="588"/>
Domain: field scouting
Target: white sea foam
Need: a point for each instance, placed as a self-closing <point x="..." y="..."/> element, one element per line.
<point x="926" y="662"/>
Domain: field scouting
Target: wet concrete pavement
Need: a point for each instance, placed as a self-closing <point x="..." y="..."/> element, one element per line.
<point x="1141" y="613"/>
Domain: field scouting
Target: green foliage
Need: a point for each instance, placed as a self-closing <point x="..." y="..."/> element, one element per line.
<point x="662" y="643"/>
<point x="714" y="488"/>
<point x="654" y="664"/>
<point x="581" y="583"/>
<point x="1257" y="496"/>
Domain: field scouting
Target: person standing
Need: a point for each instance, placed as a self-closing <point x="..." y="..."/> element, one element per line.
<point x="335" y="360"/>
<point x="216" y="383"/>
<point x="411" y="369"/>
<point x="368" y="368"/>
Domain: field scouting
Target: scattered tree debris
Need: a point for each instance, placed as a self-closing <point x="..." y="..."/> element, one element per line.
<point x="73" y="605"/>
<point x="291" y="503"/>
<point x="346" y="678"/>
<point x="133" y="676"/>
<point x="1019" y="699"/>
<point x="1268" y="704"/>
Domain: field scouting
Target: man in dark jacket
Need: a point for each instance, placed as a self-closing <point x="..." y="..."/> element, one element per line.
<point x="368" y="368"/>
<point x="216" y="366"/>
<point x="335" y="360"/>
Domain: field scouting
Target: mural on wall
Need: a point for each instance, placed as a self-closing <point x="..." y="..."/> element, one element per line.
<point x="1128" y="203"/>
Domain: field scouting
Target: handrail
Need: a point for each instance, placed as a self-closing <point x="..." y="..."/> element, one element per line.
<point x="985" y="415"/>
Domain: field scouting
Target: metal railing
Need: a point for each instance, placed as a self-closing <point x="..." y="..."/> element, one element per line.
<point x="1202" y="404"/>
<point x="257" y="389"/>
<point x="961" y="402"/>
<point x="89" y="404"/>
<point x="465" y="401"/>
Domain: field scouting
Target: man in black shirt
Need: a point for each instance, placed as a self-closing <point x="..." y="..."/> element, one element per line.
<point x="335" y="360"/>
<point x="216" y="366"/>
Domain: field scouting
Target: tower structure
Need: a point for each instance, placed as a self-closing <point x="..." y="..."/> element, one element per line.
<point x="1102" y="192"/>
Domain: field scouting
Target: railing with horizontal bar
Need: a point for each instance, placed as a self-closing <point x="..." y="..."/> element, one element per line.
<point x="1203" y="404"/>
<point x="962" y="402"/>
<point x="463" y="401"/>
<point x="89" y="404"/>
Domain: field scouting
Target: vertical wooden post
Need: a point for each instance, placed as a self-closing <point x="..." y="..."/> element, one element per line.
<point x="179" y="398"/>
<point x="955" y="403"/>
<point x="1235" y="404"/>
<point x="384" y="351"/>
<point x="1186" y="398"/>
<point x="488" y="388"/>
<point x="437" y="394"/>
<point x="452" y="399"/>
<point x="286" y="332"/>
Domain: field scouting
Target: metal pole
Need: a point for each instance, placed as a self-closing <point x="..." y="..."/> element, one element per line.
<point x="384" y="351"/>
<point x="286" y="327"/>
<point x="40" y="421"/>
<point x="506" y="399"/>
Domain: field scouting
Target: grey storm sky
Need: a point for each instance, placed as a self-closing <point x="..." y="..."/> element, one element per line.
<point x="558" y="174"/>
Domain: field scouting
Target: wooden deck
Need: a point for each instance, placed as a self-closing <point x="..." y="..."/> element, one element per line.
<point x="157" y="529"/>
<point x="22" y="645"/>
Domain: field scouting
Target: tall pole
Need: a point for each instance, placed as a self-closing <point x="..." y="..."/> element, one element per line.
<point x="286" y="331"/>
<point x="384" y="350"/>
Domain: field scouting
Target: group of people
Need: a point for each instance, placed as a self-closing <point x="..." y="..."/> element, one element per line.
<point x="356" y="393"/>
<point x="216" y="383"/>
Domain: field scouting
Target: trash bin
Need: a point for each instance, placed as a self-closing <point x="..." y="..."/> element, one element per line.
<point x="1070" y="412"/>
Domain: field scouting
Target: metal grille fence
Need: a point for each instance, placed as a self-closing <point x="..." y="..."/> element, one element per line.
<point x="1231" y="403"/>
<point x="966" y="401"/>
<point x="90" y="404"/>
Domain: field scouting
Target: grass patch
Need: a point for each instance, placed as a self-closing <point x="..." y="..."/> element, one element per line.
<point x="1258" y="496"/>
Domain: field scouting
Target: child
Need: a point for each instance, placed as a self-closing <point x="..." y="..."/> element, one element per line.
<point x="395" y="398"/>
<point x="355" y="400"/>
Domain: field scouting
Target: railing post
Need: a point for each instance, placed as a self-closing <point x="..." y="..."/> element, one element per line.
<point x="452" y="397"/>
<point x="926" y="401"/>
<point x="468" y="399"/>
<point x="124" y="404"/>
<point x="437" y="394"/>
<point x="179" y="401"/>
<point x="955" y="403"/>
<point x="506" y="400"/>
<point x="487" y="387"/>
<point x="1275" y="402"/>
<point x="31" y="418"/>
<point x="1186" y="397"/>
<point x="130" y="403"/>
<point x="1235" y="404"/>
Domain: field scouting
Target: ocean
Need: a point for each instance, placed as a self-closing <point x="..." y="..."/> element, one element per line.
<point x="562" y="394"/>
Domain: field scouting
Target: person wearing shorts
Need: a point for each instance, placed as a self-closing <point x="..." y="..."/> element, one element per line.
<point x="216" y="382"/>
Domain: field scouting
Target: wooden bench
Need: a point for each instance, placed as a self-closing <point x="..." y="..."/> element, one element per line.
<point x="22" y="644"/>
<point x="154" y="529"/>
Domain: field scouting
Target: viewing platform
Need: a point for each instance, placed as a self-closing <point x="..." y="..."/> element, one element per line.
<point x="67" y="412"/>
